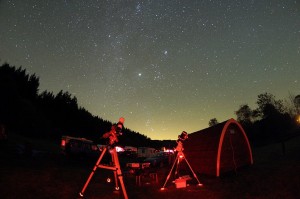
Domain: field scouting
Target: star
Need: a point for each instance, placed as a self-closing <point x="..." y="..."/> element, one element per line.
<point x="183" y="62"/>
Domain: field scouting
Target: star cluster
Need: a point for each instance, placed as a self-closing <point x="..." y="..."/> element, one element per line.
<point x="166" y="66"/>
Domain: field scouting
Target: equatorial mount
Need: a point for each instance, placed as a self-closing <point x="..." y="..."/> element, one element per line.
<point x="181" y="138"/>
<point x="115" y="131"/>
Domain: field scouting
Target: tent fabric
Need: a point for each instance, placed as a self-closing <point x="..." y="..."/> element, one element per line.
<point x="218" y="149"/>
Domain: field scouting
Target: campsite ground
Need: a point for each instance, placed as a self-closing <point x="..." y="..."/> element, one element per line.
<point x="49" y="175"/>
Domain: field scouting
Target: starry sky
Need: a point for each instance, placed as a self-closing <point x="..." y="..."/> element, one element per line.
<point x="164" y="65"/>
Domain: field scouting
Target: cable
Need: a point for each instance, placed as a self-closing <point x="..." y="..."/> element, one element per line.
<point x="233" y="156"/>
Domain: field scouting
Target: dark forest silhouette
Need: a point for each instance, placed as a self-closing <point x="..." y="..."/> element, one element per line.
<point x="26" y="111"/>
<point x="271" y="121"/>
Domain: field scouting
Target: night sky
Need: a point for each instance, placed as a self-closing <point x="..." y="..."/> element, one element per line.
<point x="164" y="65"/>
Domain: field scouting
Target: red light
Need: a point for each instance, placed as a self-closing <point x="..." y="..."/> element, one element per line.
<point x="181" y="155"/>
<point x="63" y="142"/>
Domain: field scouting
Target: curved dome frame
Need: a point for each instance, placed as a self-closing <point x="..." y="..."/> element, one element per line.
<point x="218" y="149"/>
<point x="224" y="130"/>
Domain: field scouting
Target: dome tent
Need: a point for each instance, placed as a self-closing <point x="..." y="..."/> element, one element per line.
<point x="218" y="149"/>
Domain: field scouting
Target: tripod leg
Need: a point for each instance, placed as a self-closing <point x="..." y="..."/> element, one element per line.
<point x="195" y="176"/>
<point x="122" y="186"/>
<point x="177" y="166"/>
<point x="92" y="173"/>
<point x="114" y="161"/>
<point x="118" y="172"/>
<point x="169" y="173"/>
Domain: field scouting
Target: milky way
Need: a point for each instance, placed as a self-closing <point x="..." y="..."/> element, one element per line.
<point x="166" y="66"/>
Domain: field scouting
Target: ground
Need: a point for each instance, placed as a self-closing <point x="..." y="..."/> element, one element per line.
<point x="51" y="175"/>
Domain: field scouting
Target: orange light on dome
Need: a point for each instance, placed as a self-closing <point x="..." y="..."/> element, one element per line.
<point x="298" y="119"/>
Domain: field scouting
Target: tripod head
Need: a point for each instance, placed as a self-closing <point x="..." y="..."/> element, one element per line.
<point x="181" y="138"/>
<point x="115" y="131"/>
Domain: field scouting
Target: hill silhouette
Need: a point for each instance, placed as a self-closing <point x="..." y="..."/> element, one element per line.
<point x="42" y="114"/>
<point x="27" y="111"/>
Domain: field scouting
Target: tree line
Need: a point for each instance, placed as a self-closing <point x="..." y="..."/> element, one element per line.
<point x="26" y="111"/>
<point x="272" y="121"/>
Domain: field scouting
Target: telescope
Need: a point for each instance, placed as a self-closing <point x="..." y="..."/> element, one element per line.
<point x="114" y="132"/>
<point x="182" y="137"/>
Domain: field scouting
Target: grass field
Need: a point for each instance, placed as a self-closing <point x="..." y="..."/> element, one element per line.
<point x="50" y="175"/>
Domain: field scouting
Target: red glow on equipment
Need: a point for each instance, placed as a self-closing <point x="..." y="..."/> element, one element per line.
<point x="180" y="154"/>
<point x="63" y="142"/>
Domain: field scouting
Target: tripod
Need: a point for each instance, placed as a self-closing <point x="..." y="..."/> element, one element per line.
<point x="180" y="155"/>
<point x="115" y="167"/>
